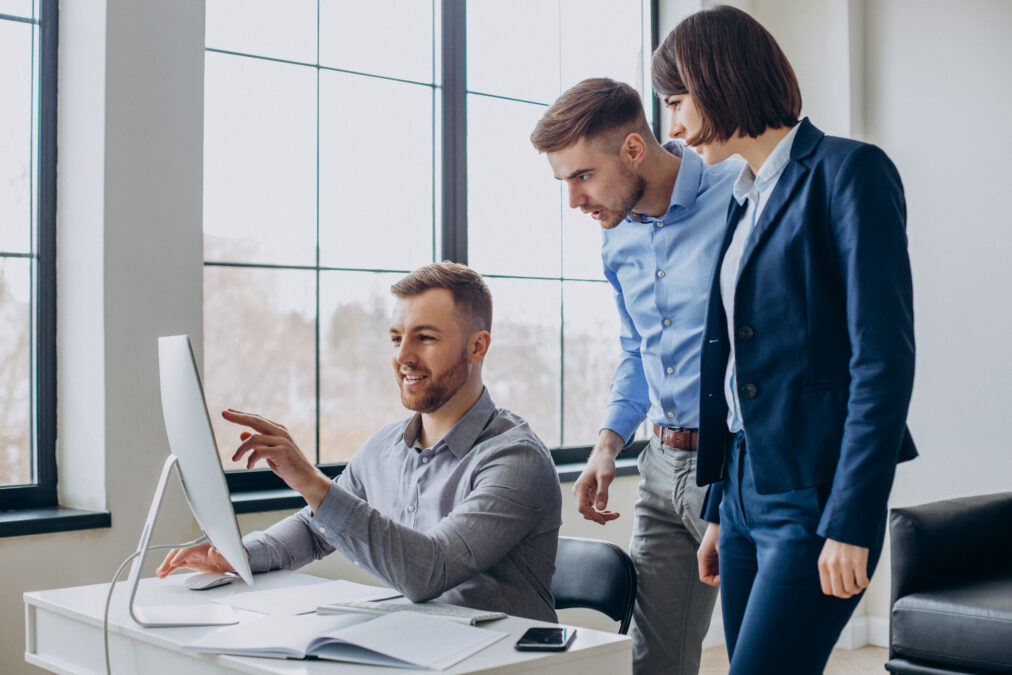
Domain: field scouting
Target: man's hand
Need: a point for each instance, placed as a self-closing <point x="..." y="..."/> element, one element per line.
<point x="201" y="558"/>
<point x="591" y="488"/>
<point x="273" y="444"/>
<point x="843" y="569"/>
<point x="707" y="556"/>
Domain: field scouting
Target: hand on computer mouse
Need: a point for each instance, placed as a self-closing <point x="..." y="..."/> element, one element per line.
<point x="201" y="558"/>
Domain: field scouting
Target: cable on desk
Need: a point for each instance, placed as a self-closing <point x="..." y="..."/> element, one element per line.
<point x="112" y="586"/>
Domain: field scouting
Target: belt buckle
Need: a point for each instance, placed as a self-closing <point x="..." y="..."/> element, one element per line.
<point x="682" y="442"/>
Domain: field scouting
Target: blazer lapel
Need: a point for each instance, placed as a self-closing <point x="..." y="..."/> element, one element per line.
<point x="734" y="214"/>
<point x="791" y="179"/>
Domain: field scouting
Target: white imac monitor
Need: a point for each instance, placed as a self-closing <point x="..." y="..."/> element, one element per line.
<point x="196" y="461"/>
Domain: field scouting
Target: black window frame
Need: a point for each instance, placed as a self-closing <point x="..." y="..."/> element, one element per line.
<point x="43" y="492"/>
<point x="270" y="490"/>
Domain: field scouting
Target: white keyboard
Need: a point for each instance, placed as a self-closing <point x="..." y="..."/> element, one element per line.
<point x="443" y="611"/>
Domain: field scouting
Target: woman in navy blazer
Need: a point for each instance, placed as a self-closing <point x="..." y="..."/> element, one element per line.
<point x="808" y="351"/>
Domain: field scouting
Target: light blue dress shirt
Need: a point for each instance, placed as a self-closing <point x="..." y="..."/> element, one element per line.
<point x="661" y="270"/>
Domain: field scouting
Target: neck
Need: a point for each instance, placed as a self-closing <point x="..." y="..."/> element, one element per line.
<point x="436" y="424"/>
<point x="757" y="150"/>
<point x="659" y="170"/>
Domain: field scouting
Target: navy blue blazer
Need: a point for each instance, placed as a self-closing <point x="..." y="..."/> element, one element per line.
<point x="824" y="337"/>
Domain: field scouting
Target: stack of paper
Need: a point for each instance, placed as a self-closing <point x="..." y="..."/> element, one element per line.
<point x="399" y="639"/>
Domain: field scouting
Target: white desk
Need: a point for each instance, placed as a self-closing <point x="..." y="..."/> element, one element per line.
<point x="63" y="634"/>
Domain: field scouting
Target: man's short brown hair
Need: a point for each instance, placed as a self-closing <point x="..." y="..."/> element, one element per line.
<point x="739" y="79"/>
<point x="472" y="300"/>
<point x="591" y="109"/>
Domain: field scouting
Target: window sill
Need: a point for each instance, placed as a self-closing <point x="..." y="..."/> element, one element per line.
<point x="51" y="519"/>
<point x="259" y="501"/>
<point x="568" y="473"/>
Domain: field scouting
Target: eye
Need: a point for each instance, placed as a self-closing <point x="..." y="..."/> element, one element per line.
<point x="583" y="177"/>
<point x="426" y="338"/>
<point x="395" y="339"/>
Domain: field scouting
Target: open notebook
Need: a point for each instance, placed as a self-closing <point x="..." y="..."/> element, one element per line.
<point x="400" y="639"/>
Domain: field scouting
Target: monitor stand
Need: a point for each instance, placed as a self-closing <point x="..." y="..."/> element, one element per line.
<point x="156" y="616"/>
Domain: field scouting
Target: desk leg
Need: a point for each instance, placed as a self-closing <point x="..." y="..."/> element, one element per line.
<point x="29" y="629"/>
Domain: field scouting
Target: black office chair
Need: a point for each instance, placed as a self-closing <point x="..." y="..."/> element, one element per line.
<point x="597" y="575"/>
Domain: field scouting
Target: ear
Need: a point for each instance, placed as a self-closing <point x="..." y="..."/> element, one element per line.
<point x="633" y="149"/>
<point x="478" y="346"/>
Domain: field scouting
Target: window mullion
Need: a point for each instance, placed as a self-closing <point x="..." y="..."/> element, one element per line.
<point x="454" y="132"/>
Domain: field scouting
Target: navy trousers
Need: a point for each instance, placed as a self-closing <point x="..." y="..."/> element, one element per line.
<point x="776" y="618"/>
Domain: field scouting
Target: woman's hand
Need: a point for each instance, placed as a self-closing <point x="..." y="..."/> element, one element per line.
<point x="709" y="569"/>
<point x="843" y="569"/>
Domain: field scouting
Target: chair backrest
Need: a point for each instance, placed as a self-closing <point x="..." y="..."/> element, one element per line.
<point x="597" y="575"/>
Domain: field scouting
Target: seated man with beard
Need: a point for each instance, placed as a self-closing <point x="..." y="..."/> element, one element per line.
<point x="459" y="503"/>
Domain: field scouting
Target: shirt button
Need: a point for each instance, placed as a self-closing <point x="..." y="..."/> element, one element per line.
<point x="671" y="414"/>
<point x="659" y="223"/>
<point x="749" y="390"/>
<point x="660" y="273"/>
<point x="411" y="508"/>
<point x="670" y="370"/>
<point x="667" y="322"/>
<point x="425" y="460"/>
<point x="746" y="333"/>
<point x="322" y="529"/>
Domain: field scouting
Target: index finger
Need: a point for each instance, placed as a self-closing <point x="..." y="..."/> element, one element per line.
<point x="253" y="421"/>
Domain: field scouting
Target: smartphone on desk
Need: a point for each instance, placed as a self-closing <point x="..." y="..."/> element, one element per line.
<point x="545" y="639"/>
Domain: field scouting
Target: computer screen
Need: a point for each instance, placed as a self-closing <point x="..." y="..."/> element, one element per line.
<point x="191" y="440"/>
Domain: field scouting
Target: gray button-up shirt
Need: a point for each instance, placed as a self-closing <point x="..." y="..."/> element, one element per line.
<point x="472" y="521"/>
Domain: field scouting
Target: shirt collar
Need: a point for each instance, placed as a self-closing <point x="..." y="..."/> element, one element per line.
<point x="683" y="194"/>
<point x="750" y="184"/>
<point x="462" y="437"/>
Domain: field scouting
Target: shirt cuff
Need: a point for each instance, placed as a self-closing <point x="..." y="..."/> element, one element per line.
<point x="259" y="556"/>
<point x="334" y="511"/>
<point x="622" y="422"/>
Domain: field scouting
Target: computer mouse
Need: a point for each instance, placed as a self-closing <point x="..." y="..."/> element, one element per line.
<point x="202" y="582"/>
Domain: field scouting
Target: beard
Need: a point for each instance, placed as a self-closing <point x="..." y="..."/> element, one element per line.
<point x="437" y="390"/>
<point x="633" y="189"/>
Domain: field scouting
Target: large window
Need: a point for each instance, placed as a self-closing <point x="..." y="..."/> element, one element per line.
<point x="347" y="143"/>
<point x="27" y="270"/>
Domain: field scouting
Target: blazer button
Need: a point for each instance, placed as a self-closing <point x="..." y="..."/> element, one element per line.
<point x="749" y="390"/>
<point x="745" y="333"/>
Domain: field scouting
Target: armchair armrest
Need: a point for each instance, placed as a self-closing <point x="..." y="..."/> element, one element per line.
<point x="946" y="542"/>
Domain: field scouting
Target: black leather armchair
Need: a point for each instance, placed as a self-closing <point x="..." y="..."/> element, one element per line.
<point x="952" y="587"/>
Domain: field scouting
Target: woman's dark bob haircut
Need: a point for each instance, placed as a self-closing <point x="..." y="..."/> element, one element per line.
<point x="738" y="77"/>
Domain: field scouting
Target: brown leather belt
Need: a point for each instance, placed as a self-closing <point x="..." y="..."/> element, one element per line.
<point x="678" y="438"/>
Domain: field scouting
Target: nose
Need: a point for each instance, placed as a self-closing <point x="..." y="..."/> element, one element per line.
<point x="403" y="353"/>
<point x="676" y="129"/>
<point x="576" y="198"/>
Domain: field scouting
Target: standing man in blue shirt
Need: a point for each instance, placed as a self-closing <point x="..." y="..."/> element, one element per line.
<point x="663" y="214"/>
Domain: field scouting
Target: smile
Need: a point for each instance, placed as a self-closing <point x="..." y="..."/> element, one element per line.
<point x="411" y="380"/>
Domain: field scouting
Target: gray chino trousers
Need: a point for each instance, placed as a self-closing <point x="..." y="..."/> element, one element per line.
<point x="673" y="607"/>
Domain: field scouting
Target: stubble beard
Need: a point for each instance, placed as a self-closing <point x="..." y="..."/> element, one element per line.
<point x="637" y="188"/>
<point x="437" y="390"/>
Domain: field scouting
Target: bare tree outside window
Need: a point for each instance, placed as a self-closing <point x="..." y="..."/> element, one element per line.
<point x="322" y="188"/>
<point x="15" y="374"/>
